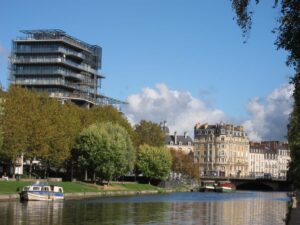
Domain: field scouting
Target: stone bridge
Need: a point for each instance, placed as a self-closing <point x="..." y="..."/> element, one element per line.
<point x="252" y="183"/>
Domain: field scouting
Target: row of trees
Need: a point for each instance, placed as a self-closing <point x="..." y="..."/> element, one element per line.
<point x="98" y="142"/>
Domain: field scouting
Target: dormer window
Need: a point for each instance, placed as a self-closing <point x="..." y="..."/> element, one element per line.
<point x="171" y="143"/>
<point x="180" y="143"/>
<point x="189" y="143"/>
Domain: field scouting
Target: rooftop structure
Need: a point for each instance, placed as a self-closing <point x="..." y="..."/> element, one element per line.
<point x="177" y="142"/>
<point x="55" y="62"/>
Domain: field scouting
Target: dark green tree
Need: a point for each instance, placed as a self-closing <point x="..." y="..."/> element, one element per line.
<point x="149" y="133"/>
<point x="106" y="149"/>
<point x="154" y="162"/>
<point x="288" y="38"/>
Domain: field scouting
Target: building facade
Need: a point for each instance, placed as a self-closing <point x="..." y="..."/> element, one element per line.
<point x="177" y="142"/>
<point x="284" y="159"/>
<point x="221" y="149"/>
<point x="55" y="62"/>
<point x="273" y="155"/>
<point x="256" y="160"/>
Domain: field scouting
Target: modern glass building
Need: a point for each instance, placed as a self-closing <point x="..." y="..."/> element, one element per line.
<point x="55" y="62"/>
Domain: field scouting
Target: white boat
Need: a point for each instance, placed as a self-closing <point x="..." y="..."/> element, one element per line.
<point x="41" y="192"/>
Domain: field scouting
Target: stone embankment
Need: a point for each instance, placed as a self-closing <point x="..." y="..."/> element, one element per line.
<point x="83" y="195"/>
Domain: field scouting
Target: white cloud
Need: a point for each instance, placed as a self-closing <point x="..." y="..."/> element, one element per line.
<point x="179" y="108"/>
<point x="269" y="116"/>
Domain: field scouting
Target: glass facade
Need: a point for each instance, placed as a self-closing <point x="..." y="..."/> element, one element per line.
<point x="54" y="62"/>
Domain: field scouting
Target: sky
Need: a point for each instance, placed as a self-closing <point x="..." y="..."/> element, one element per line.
<point x="177" y="61"/>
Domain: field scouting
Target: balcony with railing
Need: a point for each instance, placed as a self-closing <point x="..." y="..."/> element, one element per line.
<point x="45" y="71"/>
<point x="45" y="50"/>
<point x="74" y="95"/>
<point x="55" y="82"/>
<point x="51" y="59"/>
<point x="56" y="39"/>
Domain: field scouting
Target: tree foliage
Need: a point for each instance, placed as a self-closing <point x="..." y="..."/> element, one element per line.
<point x="42" y="128"/>
<point x="149" y="133"/>
<point x="15" y="122"/>
<point x="1" y="139"/>
<point x="288" y="30"/>
<point x="154" y="162"/>
<point x="184" y="164"/>
<point x="288" y="38"/>
<point x="1" y="114"/>
<point x="106" y="149"/>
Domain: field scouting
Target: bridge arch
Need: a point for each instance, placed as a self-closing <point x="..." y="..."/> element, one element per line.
<point x="254" y="186"/>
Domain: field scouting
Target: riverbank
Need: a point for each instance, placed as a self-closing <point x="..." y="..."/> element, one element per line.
<point x="80" y="190"/>
<point x="294" y="217"/>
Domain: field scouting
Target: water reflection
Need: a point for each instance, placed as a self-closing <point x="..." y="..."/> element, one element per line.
<point x="176" y="208"/>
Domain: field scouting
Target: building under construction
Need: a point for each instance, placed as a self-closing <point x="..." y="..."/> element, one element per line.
<point x="55" y="62"/>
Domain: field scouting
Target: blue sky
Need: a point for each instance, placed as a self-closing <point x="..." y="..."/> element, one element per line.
<point x="189" y="46"/>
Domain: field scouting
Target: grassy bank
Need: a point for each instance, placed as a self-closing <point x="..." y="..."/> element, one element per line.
<point x="12" y="187"/>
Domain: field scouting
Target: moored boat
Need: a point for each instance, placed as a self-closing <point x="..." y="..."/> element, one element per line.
<point x="225" y="186"/>
<point x="207" y="186"/>
<point x="41" y="192"/>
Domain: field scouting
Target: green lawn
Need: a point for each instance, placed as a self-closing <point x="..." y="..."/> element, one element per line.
<point x="12" y="187"/>
<point x="134" y="186"/>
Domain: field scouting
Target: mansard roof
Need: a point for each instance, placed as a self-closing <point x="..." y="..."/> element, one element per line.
<point x="180" y="138"/>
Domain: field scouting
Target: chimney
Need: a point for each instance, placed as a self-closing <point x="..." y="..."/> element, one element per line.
<point x="185" y="134"/>
<point x="175" y="138"/>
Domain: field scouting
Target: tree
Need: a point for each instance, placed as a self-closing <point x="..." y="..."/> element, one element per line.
<point x="288" y="38"/>
<point x="64" y="128"/>
<point x="1" y="114"/>
<point x="108" y="113"/>
<point x="184" y="164"/>
<point x="149" y="133"/>
<point x="1" y="139"/>
<point x="154" y="162"/>
<point x="14" y="124"/>
<point x="106" y="149"/>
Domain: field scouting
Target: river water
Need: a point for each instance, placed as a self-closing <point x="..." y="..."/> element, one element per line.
<point x="176" y="208"/>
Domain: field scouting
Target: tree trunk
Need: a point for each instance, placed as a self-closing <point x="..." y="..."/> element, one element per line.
<point x="85" y="175"/>
<point x="46" y="170"/>
<point x="14" y="171"/>
<point x="94" y="177"/>
<point x="30" y="169"/>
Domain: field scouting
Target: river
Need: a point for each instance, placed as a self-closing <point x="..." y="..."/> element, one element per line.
<point x="175" y="208"/>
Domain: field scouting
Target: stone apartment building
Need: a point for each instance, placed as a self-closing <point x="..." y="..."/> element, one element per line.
<point x="221" y="149"/>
